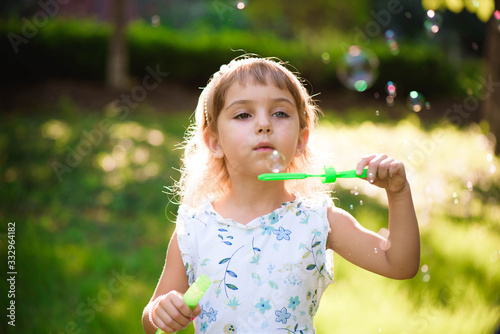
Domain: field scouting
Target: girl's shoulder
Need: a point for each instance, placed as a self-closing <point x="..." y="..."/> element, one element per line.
<point x="314" y="203"/>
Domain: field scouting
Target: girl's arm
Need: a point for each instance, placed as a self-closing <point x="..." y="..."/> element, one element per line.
<point x="396" y="256"/>
<point x="171" y="313"/>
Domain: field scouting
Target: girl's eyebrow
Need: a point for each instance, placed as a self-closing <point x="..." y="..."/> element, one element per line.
<point x="275" y="100"/>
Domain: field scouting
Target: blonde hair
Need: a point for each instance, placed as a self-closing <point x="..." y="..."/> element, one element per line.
<point x="204" y="177"/>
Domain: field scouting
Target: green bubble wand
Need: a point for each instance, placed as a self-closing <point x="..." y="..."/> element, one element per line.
<point x="330" y="175"/>
<point x="194" y="293"/>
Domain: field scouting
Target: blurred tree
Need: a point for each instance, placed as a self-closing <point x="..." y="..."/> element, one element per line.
<point x="491" y="81"/>
<point x="117" y="62"/>
<point x="297" y="17"/>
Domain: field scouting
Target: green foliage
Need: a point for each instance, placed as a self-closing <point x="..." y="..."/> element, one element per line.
<point x="90" y="244"/>
<point x="81" y="245"/>
<point x="78" y="48"/>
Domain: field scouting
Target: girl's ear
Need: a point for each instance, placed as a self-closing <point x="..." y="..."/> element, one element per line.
<point x="302" y="142"/>
<point x="213" y="145"/>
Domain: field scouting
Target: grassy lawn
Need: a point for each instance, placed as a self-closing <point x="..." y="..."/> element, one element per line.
<point x="85" y="189"/>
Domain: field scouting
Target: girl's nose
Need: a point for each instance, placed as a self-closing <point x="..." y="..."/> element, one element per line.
<point x="264" y="124"/>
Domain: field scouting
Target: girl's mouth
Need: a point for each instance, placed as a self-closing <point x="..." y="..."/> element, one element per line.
<point x="264" y="146"/>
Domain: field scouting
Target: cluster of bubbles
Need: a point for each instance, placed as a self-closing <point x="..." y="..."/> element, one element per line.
<point x="357" y="69"/>
<point x="355" y="192"/>
<point x="416" y="101"/>
<point x="390" y="88"/>
<point x="276" y="161"/>
<point x="432" y="22"/>
<point x="425" y="273"/>
<point x="390" y="39"/>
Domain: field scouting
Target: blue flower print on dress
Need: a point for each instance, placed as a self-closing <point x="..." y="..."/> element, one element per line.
<point x="282" y="233"/>
<point x="267" y="230"/>
<point x="234" y="303"/>
<point x="273" y="218"/>
<point x="263" y="305"/>
<point x="282" y="315"/>
<point x="211" y="315"/>
<point x="294" y="301"/>
<point x="258" y="287"/>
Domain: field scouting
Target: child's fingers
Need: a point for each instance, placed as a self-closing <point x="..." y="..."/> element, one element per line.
<point x="165" y="322"/>
<point x="196" y="311"/>
<point x="181" y="306"/>
<point x="383" y="168"/>
<point x="363" y="162"/>
<point x="373" y="167"/>
<point x="383" y="171"/>
<point x="173" y="313"/>
<point x="397" y="168"/>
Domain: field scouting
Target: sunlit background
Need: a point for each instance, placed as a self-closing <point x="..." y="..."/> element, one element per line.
<point x="96" y="96"/>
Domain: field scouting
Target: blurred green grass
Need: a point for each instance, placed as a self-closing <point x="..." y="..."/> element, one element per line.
<point x="91" y="242"/>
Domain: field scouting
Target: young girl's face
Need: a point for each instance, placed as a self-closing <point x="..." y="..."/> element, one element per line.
<point x="254" y="121"/>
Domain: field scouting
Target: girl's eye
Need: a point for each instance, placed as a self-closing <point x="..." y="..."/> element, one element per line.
<point x="243" y="115"/>
<point x="281" y="114"/>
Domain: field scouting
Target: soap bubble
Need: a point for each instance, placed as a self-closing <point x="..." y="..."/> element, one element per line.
<point x="241" y="4"/>
<point x="155" y="21"/>
<point x="358" y="68"/>
<point x="391" y="88"/>
<point x="325" y="57"/>
<point x="276" y="161"/>
<point x="416" y="101"/>
<point x="433" y="22"/>
<point x="391" y="41"/>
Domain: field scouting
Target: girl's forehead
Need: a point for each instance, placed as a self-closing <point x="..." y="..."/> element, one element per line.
<point x="251" y="85"/>
<point x="256" y="91"/>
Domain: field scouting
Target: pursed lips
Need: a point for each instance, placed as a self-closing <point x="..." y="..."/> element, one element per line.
<point x="264" y="146"/>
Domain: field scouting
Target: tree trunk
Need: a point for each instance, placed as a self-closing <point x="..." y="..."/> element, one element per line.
<point x="491" y="104"/>
<point x="117" y="62"/>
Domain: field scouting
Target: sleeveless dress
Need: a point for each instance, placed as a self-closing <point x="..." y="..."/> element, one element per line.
<point x="267" y="276"/>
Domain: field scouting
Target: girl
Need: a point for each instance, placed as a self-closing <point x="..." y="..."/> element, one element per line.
<point x="266" y="245"/>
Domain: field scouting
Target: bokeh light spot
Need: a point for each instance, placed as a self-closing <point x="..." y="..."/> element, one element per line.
<point x="108" y="163"/>
<point x="155" y="137"/>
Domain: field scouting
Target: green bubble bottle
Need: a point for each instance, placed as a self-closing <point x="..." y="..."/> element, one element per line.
<point x="194" y="294"/>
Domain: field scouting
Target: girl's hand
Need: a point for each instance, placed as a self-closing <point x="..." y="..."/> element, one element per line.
<point x="384" y="172"/>
<point x="171" y="313"/>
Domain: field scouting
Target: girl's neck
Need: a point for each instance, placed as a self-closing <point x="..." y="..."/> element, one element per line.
<point x="243" y="204"/>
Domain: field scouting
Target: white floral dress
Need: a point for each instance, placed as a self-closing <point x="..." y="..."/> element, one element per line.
<point x="267" y="276"/>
